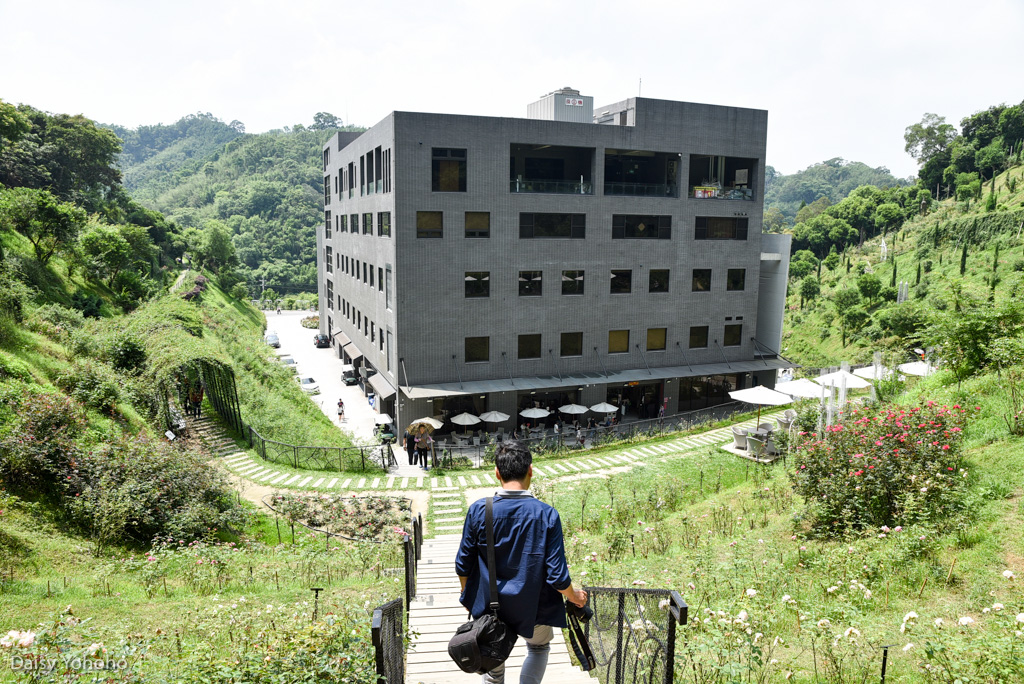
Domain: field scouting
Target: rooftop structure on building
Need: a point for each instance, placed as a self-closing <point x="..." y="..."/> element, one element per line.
<point x="579" y="255"/>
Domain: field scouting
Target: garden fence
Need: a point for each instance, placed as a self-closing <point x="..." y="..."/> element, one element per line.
<point x="388" y="632"/>
<point x="411" y="552"/>
<point x="633" y="634"/>
<point x="362" y="458"/>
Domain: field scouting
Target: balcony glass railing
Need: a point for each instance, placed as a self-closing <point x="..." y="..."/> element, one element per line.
<point x="642" y="189"/>
<point x="553" y="187"/>
<point x="713" y="192"/>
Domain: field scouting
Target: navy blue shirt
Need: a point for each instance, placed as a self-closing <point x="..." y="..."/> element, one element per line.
<point x="529" y="557"/>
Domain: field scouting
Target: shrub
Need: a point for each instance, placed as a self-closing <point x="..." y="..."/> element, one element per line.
<point x="312" y="322"/>
<point x="93" y="384"/>
<point x="38" y="448"/>
<point x="883" y="466"/>
<point x="126" y="352"/>
<point x="88" y="304"/>
<point x="11" y="367"/>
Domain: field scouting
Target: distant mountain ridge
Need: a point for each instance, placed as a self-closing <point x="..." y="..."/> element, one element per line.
<point x="266" y="188"/>
<point x="833" y="179"/>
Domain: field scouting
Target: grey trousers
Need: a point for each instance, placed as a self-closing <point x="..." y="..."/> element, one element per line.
<point x="537" y="648"/>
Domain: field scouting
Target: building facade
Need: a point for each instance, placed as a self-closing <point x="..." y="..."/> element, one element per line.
<point x="473" y="263"/>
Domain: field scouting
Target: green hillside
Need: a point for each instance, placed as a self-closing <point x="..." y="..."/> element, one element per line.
<point x="265" y="190"/>
<point x="857" y="290"/>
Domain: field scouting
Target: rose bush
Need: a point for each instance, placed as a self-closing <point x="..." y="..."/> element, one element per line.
<point x="883" y="466"/>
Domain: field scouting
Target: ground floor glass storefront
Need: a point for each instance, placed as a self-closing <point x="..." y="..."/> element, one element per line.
<point x="706" y="391"/>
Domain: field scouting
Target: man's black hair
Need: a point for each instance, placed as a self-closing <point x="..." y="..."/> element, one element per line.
<point x="513" y="460"/>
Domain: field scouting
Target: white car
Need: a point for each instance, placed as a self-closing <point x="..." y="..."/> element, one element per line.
<point x="289" y="363"/>
<point x="309" y="385"/>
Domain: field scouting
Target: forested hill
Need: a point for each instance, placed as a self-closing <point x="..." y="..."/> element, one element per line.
<point x="150" y="155"/>
<point x="832" y="179"/>
<point x="266" y="189"/>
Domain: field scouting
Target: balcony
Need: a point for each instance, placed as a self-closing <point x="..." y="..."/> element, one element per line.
<point x="551" y="169"/>
<point x="554" y="187"/>
<point x="720" y="177"/>
<point x="641" y="173"/>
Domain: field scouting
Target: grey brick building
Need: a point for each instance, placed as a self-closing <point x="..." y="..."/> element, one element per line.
<point x="581" y="255"/>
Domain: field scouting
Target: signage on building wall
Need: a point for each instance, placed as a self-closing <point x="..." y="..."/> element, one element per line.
<point x="573" y="102"/>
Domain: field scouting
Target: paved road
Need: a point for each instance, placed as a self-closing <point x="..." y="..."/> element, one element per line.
<point x="324" y="366"/>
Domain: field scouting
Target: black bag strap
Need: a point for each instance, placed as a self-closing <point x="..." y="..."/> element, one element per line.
<point x="489" y="524"/>
<point x="580" y="645"/>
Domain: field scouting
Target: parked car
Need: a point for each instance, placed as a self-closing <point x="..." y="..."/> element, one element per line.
<point x="272" y="339"/>
<point x="289" y="362"/>
<point x="321" y="340"/>
<point x="348" y="374"/>
<point x="309" y="385"/>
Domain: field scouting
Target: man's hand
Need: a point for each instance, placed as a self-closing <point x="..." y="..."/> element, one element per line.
<point x="577" y="596"/>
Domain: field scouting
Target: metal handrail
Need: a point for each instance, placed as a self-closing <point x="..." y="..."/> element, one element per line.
<point x="561" y="187"/>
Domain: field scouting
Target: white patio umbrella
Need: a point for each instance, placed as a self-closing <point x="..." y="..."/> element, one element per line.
<point x="803" y="388"/>
<point x="432" y="422"/>
<point x="920" y="368"/>
<point x="836" y="380"/>
<point x="762" y="396"/>
<point x="573" y="409"/>
<point x="604" y="407"/>
<point x="465" y="419"/>
<point x="494" y="417"/>
<point x="535" y="413"/>
<point x="382" y="419"/>
<point x="868" y="373"/>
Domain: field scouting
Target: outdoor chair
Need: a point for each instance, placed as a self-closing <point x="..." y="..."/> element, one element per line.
<point x="739" y="436"/>
<point x="767" y="427"/>
<point x="756" y="446"/>
<point x="791" y="414"/>
<point x="784" y="423"/>
<point x="476" y="441"/>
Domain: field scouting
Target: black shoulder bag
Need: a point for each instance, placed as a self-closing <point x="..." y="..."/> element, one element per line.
<point x="482" y="644"/>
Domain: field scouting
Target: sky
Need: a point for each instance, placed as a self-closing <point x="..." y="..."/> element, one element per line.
<point x="839" y="79"/>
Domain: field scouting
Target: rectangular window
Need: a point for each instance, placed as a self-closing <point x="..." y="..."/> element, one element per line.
<point x="733" y="335"/>
<point x="388" y="350"/>
<point x="371" y="275"/>
<point x="701" y="280"/>
<point x="384" y="224"/>
<point x="478" y="349"/>
<point x="636" y="227"/>
<point x="552" y="226"/>
<point x="656" y="339"/>
<point x="572" y="282"/>
<point x="327" y="225"/>
<point x="622" y="282"/>
<point x="329" y="258"/>
<point x="353" y="223"/>
<point x="388" y="287"/>
<point x="698" y="337"/>
<point x="572" y="344"/>
<point x="478" y="284"/>
<point x="530" y="283"/>
<point x="478" y="224"/>
<point x="369" y="173"/>
<point x="373" y="332"/>
<point x="330" y="294"/>
<point x="658" y="281"/>
<point x="618" y="341"/>
<point x="327" y="189"/>
<point x="380" y="279"/>
<point x="368" y="224"/>
<point x="448" y="170"/>
<point x="362" y="176"/>
<point x="429" y="224"/>
<point x="736" y="279"/>
<point x="529" y="347"/>
<point x="720" y="228"/>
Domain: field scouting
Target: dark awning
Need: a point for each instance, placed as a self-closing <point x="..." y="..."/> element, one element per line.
<point x="381" y="386"/>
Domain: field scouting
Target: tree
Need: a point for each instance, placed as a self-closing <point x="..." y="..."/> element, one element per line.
<point x="928" y="138"/>
<point x="832" y="261"/>
<point x="869" y="286"/>
<point x="106" y="251"/>
<point x="774" y="220"/>
<point x="324" y="121"/>
<point x="212" y="247"/>
<point x="846" y="301"/>
<point x="13" y="124"/>
<point x="888" y="216"/>
<point x="809" y="289"/>
<point x="963" y="260"/>
<point x="48" y="223"/>
<point x="991" y="157"/>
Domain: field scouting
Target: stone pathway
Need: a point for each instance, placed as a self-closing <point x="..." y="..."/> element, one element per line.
<point x="435" y="614"/>
<point x="406" y="477"/>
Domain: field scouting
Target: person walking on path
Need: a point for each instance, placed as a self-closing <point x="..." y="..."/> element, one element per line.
<point x="529" y="554"/>
<point x="341" y="410"/>
<point x="410" y="446"/>
<point x="423" y="442"/>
